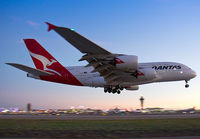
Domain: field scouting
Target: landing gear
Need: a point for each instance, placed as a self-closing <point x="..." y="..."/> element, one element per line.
<point x="105" y="90"/>
<point x="186" y="84"/>
<point x="121" y="88"/>
<point x="113" y="89"/>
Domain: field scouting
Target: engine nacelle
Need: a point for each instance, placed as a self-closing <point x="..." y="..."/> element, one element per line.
<point x="134" y="87"/>
<point x="127" y="62"/>
<point x="149" y="73"/>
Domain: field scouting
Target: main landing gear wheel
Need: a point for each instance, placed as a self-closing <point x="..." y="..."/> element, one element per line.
<point x="107" y="90"/>
<point x="186" y="84"/>
<point x="116" y="89"/>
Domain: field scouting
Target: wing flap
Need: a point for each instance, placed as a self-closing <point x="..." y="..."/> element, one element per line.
<point x="33" y="71"/>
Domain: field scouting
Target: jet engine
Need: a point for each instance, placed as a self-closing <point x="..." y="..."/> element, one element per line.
<point x="131" y="88"/>
<point x="149" y="73"/>
<point x="126" y="62"/>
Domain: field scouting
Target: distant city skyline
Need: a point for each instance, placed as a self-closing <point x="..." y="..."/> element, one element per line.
<point x="154" y="30"/>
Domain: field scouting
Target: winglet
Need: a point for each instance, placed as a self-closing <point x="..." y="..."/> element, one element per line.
<point x="50" y="26"/>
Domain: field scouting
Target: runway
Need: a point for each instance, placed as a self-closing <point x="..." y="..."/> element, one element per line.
<point x="99" y="117"/>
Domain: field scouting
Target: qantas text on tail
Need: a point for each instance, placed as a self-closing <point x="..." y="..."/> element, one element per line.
<point x="112" y="71"/>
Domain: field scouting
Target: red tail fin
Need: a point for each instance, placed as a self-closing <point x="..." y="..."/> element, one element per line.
<point x="45" y="61"/>
<point x="39" y="55"/>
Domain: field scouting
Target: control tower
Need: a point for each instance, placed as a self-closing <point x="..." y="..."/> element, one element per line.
<point x="29" y="109"/>
<point x="142" y="102"/>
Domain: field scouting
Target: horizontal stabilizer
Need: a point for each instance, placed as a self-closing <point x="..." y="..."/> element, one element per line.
<point x="33" y="71"/>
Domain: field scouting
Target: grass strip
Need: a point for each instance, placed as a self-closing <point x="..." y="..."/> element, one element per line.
<point x="99" y="128"/>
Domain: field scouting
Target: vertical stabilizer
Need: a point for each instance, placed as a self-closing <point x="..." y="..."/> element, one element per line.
<point x="45" y="61"/>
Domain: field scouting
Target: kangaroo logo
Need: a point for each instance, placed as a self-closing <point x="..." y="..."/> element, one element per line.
<point x="45" y="62"/>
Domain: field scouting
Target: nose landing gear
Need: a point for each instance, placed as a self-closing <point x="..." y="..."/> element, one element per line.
<point x="186" y="84"/>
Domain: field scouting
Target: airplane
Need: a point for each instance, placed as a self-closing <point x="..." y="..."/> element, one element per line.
<point x="190" y="110"/>
<point x="113" y="72"/>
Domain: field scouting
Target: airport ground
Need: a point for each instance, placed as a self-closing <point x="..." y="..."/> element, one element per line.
<point x="100" y="117"/>
<point x="89" y="126"/>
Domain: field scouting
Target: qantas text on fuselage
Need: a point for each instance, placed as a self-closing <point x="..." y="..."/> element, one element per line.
<point x="167" y="67"/>
<point x="113" y="72"/>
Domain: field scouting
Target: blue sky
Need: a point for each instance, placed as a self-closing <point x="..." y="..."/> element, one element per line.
<point x="154" y="30"/>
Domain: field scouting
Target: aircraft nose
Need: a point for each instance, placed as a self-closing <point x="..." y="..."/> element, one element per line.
<point x="193" y="74"/>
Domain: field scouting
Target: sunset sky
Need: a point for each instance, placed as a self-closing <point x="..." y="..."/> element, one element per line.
<point x="154" y="30"/>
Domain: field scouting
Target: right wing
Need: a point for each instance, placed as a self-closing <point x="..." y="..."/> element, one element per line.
<point x="33" y="71"/>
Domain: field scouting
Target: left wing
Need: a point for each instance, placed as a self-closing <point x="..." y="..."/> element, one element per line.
<point x="81" y="43"/>
<point x="102" y="60"/>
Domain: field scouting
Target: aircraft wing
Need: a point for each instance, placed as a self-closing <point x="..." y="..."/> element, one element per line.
<point x="111" y="74"/>
<point x="33" y="71"/>
<point x="81" y="43"/>
<point x="101" y="59"/>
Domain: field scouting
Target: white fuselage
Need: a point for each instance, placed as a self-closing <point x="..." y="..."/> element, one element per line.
<point x="165" y="71"/>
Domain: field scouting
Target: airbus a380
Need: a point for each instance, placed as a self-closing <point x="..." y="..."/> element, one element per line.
<point x="113" y="72"/>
